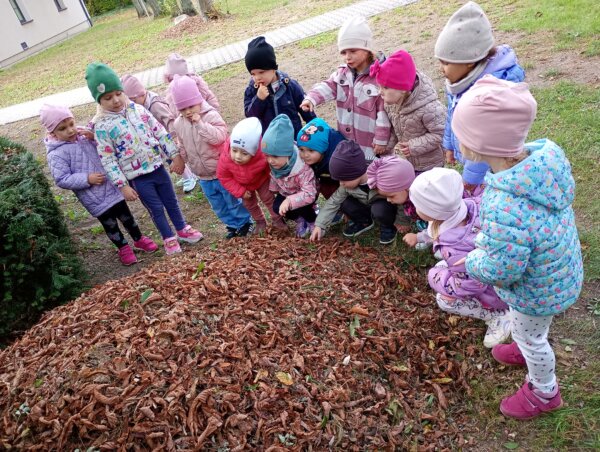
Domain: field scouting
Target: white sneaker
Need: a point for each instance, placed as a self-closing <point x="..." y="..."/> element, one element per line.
<point x="498" y="331"/>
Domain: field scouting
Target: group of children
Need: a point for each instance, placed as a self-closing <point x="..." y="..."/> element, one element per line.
<point x="503" y="231"/>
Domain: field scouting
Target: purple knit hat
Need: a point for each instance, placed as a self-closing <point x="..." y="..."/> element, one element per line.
<point x="52" y="115"/>
<point x="185" y="92"/>
<point x="132" y="87"/>
<point x="347" y="161"/>
<point x="390" y="174"/>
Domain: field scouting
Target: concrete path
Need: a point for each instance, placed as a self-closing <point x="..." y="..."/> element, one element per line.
<point x="215" y="58"/>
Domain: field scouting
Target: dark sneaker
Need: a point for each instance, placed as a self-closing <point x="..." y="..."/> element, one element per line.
<point x="387" y="235"/>
<point x="231" y="232"/>
<point x="338" y="219"/>
<point x="356" y="229"/>
<point x="245" y="230"/>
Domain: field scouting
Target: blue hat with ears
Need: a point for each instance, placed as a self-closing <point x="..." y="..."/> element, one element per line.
<point x="278" y="140"/>
<point x="314" y="135"/>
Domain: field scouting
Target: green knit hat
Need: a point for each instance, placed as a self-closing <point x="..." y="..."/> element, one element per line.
<point x="101" y="80"/>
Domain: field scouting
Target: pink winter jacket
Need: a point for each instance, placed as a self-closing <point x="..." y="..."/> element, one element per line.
<point x="300" y="186"/>
<point x="202" y="142"/>
<point x="207" y="94"/>
<point x="360" y="109"/>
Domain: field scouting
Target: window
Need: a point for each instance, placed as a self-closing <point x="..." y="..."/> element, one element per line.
<point x="60" y="5"/>
<point x="20" y="12"/>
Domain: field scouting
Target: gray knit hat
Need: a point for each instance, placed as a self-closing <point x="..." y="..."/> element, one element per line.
<point x="467" y="37"/>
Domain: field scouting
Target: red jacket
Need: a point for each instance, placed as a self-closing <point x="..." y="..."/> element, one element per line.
<point x="237" y="179"/>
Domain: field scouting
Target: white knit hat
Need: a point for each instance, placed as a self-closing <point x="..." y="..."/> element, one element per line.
<point x="246" y="135"/>
<point x="466" y="38"/>
<point x="355" y="34"/>
<point x="438" y="193"/>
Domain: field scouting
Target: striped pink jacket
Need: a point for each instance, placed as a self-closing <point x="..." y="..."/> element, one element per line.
<point x="360" y="112"/>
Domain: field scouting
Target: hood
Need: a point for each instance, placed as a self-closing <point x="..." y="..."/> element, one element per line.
<point x="505" y="58"/>
<point x="543" y="178"/>
<point x="422" y="94"/>
<point x="53" y="144"/>
<point x="456" y="235"/>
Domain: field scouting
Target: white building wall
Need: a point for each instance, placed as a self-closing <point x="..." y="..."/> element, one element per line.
<point x="47" y="27"/>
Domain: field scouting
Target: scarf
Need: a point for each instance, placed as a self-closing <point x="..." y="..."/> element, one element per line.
<point x="465" y="83"/>
<point x="287" y="169"/>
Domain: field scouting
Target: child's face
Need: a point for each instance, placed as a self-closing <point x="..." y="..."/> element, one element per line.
<point x="355" y="58"/>
<point x="114" y="101"/>
<point x="188" y="112"/>
<point x="277" y="162"/>
<point x="350" y="184"/>
<point x="392" y="96"/>
<point x="65" y="130"/>
<point x="309" y="156"/>
<point x="263" y="77"/>
<point x="424" y="217"/>
<point x="139" y="99"/>
<point x="239" y="156"/>
<point x="455" y="72"/>
<point x="397" y="197"/>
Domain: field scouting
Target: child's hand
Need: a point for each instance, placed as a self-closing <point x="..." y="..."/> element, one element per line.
<point x="263" y="92"/>
<point x="178" y="165"/>
<point x="86" y="133"/>
<point x="96" y="178"/>
<point x="247" y="195"/>
<point x="410" y="239"/>
<point x="450" y="160"/>
<point x="195" y="118"/>
<point x="307" y="105"/>
<point x="379" y="149"/>
<point x="129" y="193"/>
<point x="285" y="207"/>
<point x="404" y="149"/>
<point x="317" y="234"/>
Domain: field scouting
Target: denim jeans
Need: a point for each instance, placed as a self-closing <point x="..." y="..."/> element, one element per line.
<point x="228" y="209"/>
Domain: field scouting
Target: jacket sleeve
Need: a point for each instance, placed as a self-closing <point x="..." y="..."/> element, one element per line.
<point x="212" y="128"/>
<point x="298" y="98"/>
<point x="434" y="122"/>
<point x="447" y="139"/>
<point x="162" y="112"/>
<point x="207" y="93"/>
<point x="501" y="256"/>
<point x="164" y="138"/>
<point x="108" y="158"/>
<point x="323" y="92"/>
<point x="382" y="125"/>
<point x="331" y="207"/>
<point x="253" y="106"/>
<point x="308" y="190"/>
<point x="226" y="178"/>
<point x="64" y="178"/>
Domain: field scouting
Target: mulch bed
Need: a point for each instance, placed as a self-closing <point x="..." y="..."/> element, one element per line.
<point x="260" y="344"/>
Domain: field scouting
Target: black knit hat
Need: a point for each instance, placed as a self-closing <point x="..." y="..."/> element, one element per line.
<point x="260" y="55"/>
<point x="347" y="161"/>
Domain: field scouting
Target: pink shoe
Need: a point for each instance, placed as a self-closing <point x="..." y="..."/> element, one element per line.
<point x="126" y="255"/>
<point x="145" y="244"/>
<point x="509" y="354"/>
<point x="189" y="235"/>
<point x="171" y="246"/>
<point x="529" y="402"/>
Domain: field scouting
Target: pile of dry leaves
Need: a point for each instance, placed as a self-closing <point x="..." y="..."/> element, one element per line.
<point x="259" y="344"/>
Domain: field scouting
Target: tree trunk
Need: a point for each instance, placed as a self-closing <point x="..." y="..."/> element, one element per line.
<point x="154" y="6"/>
<point x="186" y="7"/>
<point x="207" y="9"/>
<point x="141" y="9"/>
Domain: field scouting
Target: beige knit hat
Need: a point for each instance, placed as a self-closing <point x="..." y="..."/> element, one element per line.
<point x="355" y="34"/>
<point x="466" y="38"/>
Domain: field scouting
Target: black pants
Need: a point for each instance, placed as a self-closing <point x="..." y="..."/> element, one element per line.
<point x="121" y="212"/>
<point x="379" y="210"/>
<point x="306" y="212"/>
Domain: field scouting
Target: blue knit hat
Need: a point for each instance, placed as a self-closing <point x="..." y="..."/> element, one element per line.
<point x="315" y="136"/>
<point x="278" y="140"/>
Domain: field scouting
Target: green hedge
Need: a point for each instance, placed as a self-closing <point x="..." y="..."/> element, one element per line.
<point x="38" y="265"/>
<point x="97" y="7"/>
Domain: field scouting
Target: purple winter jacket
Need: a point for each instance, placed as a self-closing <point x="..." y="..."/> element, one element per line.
<point x="454" y="244"/>
<point x="70" y="164"/>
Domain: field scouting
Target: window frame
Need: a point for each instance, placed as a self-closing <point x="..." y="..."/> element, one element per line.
<point x="20" y="12"/>
<point x="60" y="5"/>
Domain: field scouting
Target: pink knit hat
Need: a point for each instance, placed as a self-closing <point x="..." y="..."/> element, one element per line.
<point x="390" y="174"/>
<point x="52" y="115"/>
<point x="397" y="72"/>
<point x="494" y="117"/>
<point x="132" y="86"/>
<point x="176" y="64"/>
<point x="185" y="92"/>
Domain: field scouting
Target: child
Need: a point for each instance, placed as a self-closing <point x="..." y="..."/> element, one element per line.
<point x="316" y="142"/>
<point x="203" y="134"/>
<point x="244" y="172"/>
<point x="291" y="178"/>
<point x="416" y="114"/>
<point x="466" y="51"/>
<point x="75" y="165"/>
<point x="391" y="177"/>
<point x="453" y="225"/>
<point x="130" y="142"/>
<point x="528" y="247"/>
<point x="271" y="92"/>
<point x="348" y="166"/>
<point x="361" y="115"/>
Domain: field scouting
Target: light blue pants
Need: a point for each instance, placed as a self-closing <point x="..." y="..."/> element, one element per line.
<point x="230" y="210"/>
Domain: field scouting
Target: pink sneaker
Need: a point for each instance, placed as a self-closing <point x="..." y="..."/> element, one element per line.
<point x="529" y="402"/>
<point x="189" y="235"/>
<point x="509" y="354"/>
<point x="171" y="246"/>
<point x="145" y="244"/>
<point x="126" y="255"/>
